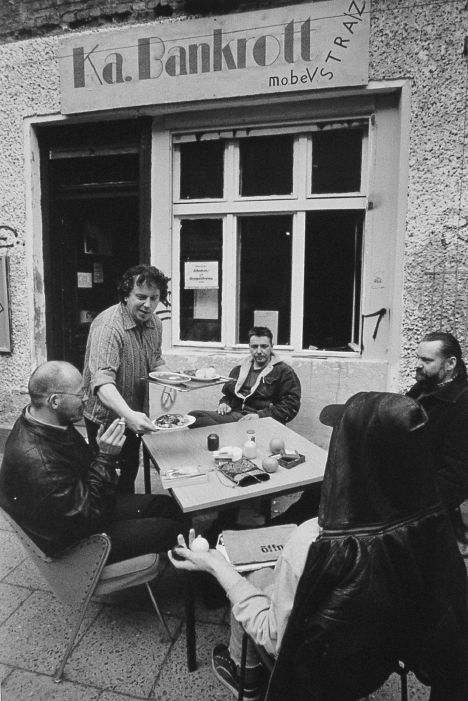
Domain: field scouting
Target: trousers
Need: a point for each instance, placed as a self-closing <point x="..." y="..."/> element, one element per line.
<point x="144" y="523"/>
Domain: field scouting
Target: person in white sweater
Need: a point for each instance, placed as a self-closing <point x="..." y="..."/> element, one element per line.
<point x="261" y="603"/>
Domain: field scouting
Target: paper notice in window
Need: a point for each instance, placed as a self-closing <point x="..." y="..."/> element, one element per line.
<point x="205" y="304"/>
<point x="201" y="275"/>
<point x="84" y="280"/>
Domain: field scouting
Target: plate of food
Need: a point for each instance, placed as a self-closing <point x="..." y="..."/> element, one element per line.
<point x="173" y="422"/>
<point x="170" y="378"/>
<point x="208" y="374"/>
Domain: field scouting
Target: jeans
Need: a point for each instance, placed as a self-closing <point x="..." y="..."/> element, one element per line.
<point x="260" y="579"/>
<point x="129" y="458"/>
<point x="211" y="418"/>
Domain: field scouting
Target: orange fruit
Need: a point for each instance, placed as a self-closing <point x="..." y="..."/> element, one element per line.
<point x="276" y="445"/>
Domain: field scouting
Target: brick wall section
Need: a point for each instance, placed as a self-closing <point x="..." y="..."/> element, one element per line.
<point x="25" y="19"/>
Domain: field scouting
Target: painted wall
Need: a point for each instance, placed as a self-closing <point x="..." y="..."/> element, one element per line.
<point x="422" y="43"/>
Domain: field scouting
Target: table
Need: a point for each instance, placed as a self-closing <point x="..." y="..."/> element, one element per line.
<point x="187" y="447"/>
<point x="168" y="398"/>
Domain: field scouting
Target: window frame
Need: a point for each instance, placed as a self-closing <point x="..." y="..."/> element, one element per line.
<point x="233" y="205"/>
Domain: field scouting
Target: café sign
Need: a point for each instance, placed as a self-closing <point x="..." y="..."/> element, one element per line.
<point x="296" y="48"/>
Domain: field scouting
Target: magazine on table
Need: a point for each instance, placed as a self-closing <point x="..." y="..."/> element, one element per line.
<point x="254" y="548"/>
<point x="182" y="477"/>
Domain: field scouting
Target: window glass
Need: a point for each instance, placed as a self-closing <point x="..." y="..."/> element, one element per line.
<point x="265" y="273"/>
<point x="92" y="172"/>
<point x="201" y="169"/>
<point x="336" y="161"/>
<point x="200" y="279"/>
<point x="332" y="279"/>
<point x="266" y="165"/>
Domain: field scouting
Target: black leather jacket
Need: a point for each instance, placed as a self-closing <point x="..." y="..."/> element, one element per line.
<point x="53" y="485"/>
<point x="384" y="581"/>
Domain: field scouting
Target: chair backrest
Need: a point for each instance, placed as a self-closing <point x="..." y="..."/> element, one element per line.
<point x="28" y="544"/>
<point x="74" y="575"/>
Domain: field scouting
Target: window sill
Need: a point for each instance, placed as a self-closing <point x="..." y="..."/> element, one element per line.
<point x="187" y="347"/>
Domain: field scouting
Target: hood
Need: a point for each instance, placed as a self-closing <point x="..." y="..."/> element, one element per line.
<point x="379" y="468"/>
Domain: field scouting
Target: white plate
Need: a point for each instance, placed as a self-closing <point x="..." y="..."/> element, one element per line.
<point x="171" y="378"/>
<point x="187" y="420"/>
<point x="205" y="379"/>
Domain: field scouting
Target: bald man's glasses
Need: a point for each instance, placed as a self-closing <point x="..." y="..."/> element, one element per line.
<point x="81" y="394"/>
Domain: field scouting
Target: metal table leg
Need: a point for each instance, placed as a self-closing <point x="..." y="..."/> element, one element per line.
<point x="191" y="640"/>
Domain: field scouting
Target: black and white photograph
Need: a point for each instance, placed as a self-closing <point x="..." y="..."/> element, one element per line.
<point x="233" y="347"/>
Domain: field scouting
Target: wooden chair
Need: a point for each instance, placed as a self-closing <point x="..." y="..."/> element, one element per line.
<point x="268" y="662"/>
<point x="81" y="573"/>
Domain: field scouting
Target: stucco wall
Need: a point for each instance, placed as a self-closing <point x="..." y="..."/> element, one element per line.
<point x="421" y="42"/>
<point x="425" y="43"/>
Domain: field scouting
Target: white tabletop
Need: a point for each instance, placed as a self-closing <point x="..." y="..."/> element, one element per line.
<point x="188" y="448"/>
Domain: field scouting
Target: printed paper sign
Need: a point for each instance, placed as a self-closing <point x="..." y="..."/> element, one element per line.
<point x="201" y="275"/>
<point x="84" y="280"/>
<point x="205" y="304"/>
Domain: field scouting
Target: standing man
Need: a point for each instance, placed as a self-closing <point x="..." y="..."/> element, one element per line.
<point x="60" y="492"/>
<point x="442" y="389"/>
<point x="262" y="385"/>
<point x="124" y="345"/>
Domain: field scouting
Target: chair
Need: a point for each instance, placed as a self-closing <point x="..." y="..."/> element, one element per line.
<point x="81" y="573"/>
<point x="269" y="662"/>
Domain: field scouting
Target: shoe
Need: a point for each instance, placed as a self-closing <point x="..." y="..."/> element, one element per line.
<point x="227" y="672"/>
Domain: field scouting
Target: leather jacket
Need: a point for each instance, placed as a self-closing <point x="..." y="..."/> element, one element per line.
<point x="53" y="486"/>
<point x="384" y="581"/>
<point x="276" y="393"/>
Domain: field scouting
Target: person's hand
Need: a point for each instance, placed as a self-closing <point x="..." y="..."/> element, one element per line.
<point x="195" y="561"/>
<point x="224" y="408"/>
<point x="111" y="440"/>
<point x="249" y="417"/>
<point x="139" y="422"/>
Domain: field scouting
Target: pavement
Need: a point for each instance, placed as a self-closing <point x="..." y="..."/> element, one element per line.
<point x="118" y="654"/>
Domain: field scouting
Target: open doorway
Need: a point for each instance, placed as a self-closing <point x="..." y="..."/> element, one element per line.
<point x="96" y="224"/>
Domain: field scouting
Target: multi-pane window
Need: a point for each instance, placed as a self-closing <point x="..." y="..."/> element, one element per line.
<point x="269" y="227"/>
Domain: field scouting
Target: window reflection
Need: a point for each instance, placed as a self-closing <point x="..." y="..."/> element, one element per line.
<point x="332" y="279"/>
<point x="200" y="279"/>
<point x="265" y="272"/>
<point x="266" y="165"/>
<point x="201" y="169"/>
<point x="336" y="161"/>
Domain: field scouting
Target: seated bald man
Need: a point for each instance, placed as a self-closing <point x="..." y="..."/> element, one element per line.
<point x="55" y="487"/>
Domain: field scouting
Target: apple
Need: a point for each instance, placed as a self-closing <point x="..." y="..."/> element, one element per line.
<point x="270" y="464"/>
<point x="200" y="545"/>
<point x="276" y="445"/>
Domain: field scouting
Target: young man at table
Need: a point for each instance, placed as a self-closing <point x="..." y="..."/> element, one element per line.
<point x="124" y="345"/>
<point x="60" y="492"/>
<point x="262" y="385"/>
<point x="377" y="579"/>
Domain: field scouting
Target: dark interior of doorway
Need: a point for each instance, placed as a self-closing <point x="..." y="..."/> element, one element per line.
<point x="96" y="224"/>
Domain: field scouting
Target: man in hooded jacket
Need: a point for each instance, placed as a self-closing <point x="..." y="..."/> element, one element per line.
<point x="383" y="582"/>
<point x="262" y="385"/>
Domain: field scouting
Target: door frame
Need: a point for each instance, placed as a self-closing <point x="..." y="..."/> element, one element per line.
<point x="41" y="135"/>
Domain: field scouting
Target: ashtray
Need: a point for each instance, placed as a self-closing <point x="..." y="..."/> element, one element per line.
<point x="288" y="461"/>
